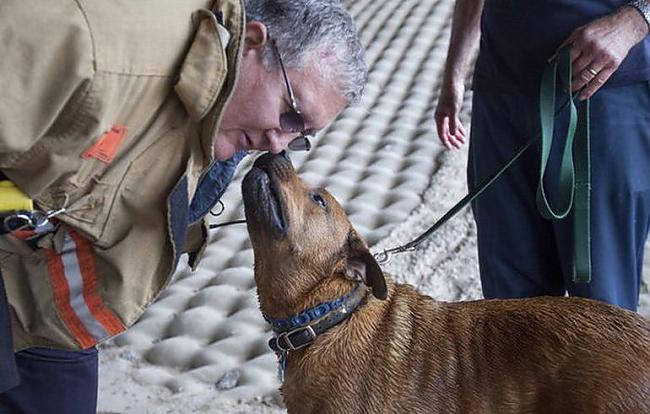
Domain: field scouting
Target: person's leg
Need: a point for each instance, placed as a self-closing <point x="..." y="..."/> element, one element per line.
<point x="53" y="381"/>
<point x="517" y="254"/>
<point x="620" y="198"/>
<point x="8" y="371"/>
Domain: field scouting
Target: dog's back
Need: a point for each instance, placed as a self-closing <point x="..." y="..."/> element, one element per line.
<point x="410" y="354"/>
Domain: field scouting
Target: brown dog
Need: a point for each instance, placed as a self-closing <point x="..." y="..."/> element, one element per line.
<point x="402" y="352"/>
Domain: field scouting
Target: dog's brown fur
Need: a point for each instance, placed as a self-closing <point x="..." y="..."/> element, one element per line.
<point x="410" y="354"/>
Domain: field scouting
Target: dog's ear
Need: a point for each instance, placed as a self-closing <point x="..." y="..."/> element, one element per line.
<point x="362" y="266"/>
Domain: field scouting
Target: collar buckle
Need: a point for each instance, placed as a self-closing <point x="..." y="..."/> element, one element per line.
<point x="295" y="339"/>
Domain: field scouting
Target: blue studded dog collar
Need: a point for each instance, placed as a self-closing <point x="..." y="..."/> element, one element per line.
<point x="300" y="330"/>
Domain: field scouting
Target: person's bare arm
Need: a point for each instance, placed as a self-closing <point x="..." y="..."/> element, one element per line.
<point x="599" y="47"/>
<point x="465" y="34"/>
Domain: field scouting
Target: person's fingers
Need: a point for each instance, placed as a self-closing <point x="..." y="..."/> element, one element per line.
<point x="582" y="62"/>
<point x="453" y="142"/>
<point x="453" y="126"/>
<point x="462" y="129"/>
<point x="450" y="131"/>
<point x="443" y="131"/>
<point x="460" y="134"/>
<point x="586" y="76"/>
<point x="456" y="133"/>
<point x="596" y="83"/>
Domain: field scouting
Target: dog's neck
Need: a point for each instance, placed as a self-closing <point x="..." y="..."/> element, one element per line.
<point x="345" y="305"/>
<point x="300" y="330"/>
<point x="279" y="301"/>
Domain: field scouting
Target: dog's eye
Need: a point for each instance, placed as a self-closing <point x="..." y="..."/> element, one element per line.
<point x="318" y="199"/>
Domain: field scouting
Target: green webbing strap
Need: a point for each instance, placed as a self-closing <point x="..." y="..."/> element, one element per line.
<point x="581" y="216"/>
<point x="547" y="121"/>
<point x="574" y="178"/>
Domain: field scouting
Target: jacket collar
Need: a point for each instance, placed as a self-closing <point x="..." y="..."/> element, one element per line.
<point x="210" y="70"/>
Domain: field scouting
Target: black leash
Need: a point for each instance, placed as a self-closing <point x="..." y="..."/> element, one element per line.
<point x="227" y="223"/>
<point x="384" y="256"/>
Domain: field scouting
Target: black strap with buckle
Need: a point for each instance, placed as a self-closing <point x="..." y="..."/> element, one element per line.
<point x="300" y="337"/>
<point x="293" y="340"/>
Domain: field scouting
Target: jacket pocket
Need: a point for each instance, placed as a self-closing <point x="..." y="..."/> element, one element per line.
<point x="140" y="199"/>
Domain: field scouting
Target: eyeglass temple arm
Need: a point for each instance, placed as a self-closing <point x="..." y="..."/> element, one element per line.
<point x="294" y="104"/>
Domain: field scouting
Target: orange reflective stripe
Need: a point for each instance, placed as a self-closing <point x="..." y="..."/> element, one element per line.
<point x="104" y="316"/>
<point x="62" y="300"/>
<point x="23" y="234"/>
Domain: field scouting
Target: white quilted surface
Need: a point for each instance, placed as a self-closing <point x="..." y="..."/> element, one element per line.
<point x="204" y="339"/>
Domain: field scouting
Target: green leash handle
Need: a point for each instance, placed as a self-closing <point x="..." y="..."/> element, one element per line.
<point x="574" y="180"/>
<point x="547" y="121"/>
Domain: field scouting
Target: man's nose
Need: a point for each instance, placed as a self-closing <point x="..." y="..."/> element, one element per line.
<point x="277" y="141"/>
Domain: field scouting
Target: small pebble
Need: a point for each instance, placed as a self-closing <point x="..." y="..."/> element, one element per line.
<point x="228" y="381"/>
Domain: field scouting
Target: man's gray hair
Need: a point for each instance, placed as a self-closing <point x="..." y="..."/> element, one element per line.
<point x="300" y="27"/>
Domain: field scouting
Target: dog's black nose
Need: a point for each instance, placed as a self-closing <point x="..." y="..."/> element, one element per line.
<point x="268" y="159"/>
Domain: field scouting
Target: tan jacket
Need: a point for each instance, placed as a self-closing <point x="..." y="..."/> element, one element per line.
<point x="110" y="110"/>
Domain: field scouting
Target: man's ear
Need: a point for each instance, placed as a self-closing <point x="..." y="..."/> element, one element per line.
<point x="255" y="36"/>
<point x="361" y="265"/>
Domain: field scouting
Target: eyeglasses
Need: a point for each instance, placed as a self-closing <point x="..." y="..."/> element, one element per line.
<point x="292" y="120"/>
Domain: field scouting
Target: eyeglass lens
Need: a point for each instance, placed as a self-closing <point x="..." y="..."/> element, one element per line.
<point x="301" y="143"/>
<point x="291" y="121"/>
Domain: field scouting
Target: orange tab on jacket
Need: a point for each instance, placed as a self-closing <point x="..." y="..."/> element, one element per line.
<point x="107" y="146"/>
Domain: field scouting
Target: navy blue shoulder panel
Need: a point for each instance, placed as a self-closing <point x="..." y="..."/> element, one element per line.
<point x="177" y="212"/>
<point x="212" y="186"/>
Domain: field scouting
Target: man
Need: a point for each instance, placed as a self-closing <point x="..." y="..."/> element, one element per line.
<point x="521" y="254"/>
<point x="124" y="123"/>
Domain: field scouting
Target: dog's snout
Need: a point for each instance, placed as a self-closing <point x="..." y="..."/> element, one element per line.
<point x="269" y="158"/>
<point x="279" y="164"/>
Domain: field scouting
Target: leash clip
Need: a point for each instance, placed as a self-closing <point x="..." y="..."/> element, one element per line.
<point x="383" y="257"/>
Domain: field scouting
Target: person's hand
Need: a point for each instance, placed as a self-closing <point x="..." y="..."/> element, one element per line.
<point x="447" y="116"/>
<point x="599" y="47"/>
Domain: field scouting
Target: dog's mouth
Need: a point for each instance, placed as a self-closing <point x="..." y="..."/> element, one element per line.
<point x="262" y="196"/>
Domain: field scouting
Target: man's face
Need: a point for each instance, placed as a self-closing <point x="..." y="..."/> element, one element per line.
<point x="252" y="118"/>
